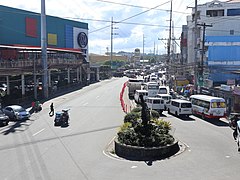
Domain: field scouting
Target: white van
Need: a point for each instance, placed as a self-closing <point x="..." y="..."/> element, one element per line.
<point x="155" y="103"/>
<point x="180" y="107"/>
<point x="138" y="93"/>
<point x="162" y="90"/>
<point x="167" y="98"/>
<point x="152" y="88"/>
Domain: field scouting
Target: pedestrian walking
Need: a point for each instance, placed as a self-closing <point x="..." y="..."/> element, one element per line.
<point x="51" y="113"/>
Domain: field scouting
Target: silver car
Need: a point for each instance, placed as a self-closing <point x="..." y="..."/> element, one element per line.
<point x="16" y="112"/>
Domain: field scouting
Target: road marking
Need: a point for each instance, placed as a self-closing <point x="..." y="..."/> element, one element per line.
<point x="133" y="167"/>
<point x="85" y="104"/>
<point x="38" y="132"/>
<point x="97" y="97"/>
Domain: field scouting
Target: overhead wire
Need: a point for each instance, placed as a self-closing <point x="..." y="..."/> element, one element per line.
<point x="131" y="16"/>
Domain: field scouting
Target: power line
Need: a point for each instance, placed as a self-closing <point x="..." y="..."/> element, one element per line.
<point x="131" y="17"/>
<point x="135" y="6"/>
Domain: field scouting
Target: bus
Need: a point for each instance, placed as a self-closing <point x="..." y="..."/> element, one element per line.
<point x="208" y="107"/>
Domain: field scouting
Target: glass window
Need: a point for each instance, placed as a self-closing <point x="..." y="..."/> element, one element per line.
<point x="186" y="105"/>
<point x="233" y="12"/>
<point x="215" y="13"/>
<point x="218" y="105"/>
<point x="156" y="101"/>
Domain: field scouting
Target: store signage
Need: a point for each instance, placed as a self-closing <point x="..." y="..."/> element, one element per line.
<point x="236" y="90"/>
<point x="230" y="82"/>
<point x="225" y="87"/>
<point x="82" y="39"/>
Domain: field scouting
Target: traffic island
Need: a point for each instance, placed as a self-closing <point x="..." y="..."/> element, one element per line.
<point x="145" y="153"/>
<point x="144" y="136"/>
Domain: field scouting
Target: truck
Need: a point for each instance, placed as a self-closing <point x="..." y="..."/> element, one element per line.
<point x="133" y="85"/>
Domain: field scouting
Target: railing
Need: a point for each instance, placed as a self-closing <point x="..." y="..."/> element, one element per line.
<point x="30" y="63"/>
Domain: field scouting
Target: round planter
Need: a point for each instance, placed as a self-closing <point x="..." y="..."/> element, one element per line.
<point x="145" y="154"/>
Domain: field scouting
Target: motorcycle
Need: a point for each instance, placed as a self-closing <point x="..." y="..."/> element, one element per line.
<point x="61" y="118"/>
<point x="234" y="124"/>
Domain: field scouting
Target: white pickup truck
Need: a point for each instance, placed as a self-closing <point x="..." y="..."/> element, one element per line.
<point x="133" y="85"/>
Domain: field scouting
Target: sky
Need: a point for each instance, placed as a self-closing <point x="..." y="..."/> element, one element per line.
<point x="142" y="24"/>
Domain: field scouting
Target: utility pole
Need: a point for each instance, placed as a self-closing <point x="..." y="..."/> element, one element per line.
<point x="195" y="46"/>
<point x="143" y="47"/>
<point x="170" y="35"/>
<point x="44" y="49"/>
<point x="111" y="58"/>
<point x="111" y="42"/>
<point x="34" y="76"/>
<point x="169" y="48"/>
<point x="204" y="25"/>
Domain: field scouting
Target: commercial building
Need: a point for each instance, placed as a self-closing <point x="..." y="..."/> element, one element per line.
<point x="218" y="47"/>
<point x="220" y="54"/>
<point x="20" y="51"/>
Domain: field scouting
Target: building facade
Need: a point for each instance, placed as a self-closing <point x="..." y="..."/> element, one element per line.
<point x="20" y="50"/>
<point x="219" y="50"/>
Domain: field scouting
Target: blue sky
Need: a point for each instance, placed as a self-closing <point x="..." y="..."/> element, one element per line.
<point x="150" y="19"/>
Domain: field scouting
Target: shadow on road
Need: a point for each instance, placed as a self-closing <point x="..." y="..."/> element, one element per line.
<point x="217" y="122"/>
<point x="18" y="126"/>
<point x="53" y="138"/>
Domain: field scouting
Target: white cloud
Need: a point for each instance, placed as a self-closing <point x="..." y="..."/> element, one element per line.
<point x="130" y="36"/>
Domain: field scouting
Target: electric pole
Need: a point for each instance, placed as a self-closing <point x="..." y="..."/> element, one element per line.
<point x="111" y="56"/>
<point x="111" y="42"/>
<point x="143" y="47"/>
<point x="204" y="25"/>
<point x="195" y="46"/>
<point x="44" y="49"/>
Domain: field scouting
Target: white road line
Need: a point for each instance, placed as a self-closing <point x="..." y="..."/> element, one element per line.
<point x="38" y="132"/>
<point x="85" y="104"/>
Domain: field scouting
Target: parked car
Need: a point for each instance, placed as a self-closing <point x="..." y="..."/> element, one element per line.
<point x="4" y="119"/>
<point x="16" y="112"/>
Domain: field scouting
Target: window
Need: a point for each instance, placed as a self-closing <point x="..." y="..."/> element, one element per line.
<point x="218" y="105"/>
<point x="186" y="105"/>
<point x="215" y="13"/>
<point x="156" y="101"/>
<point x="233" y="12"/>
<point x="231" y="32"/>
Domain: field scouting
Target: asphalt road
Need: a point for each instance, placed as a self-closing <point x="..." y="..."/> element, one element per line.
<point x="35" y="149"/>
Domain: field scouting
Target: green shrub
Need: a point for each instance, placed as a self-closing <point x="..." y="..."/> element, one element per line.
<point x="137" y="110"/>
<point x="132" y="117"/>
<point x="154" y="114"/>
<point x="155" y="134"/>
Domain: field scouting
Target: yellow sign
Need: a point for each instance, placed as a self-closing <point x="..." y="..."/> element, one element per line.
<point x="52" y="39"/>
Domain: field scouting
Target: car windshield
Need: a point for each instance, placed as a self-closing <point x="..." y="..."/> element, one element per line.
<point x="19" y="109"/>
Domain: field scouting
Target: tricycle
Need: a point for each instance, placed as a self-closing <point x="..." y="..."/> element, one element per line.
<point x="61" y="118"/>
